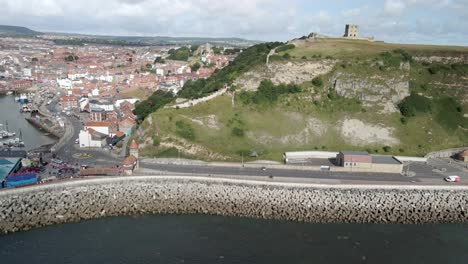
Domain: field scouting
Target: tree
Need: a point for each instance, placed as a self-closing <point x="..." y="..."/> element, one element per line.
<point x="195" y="67"/>
<point x="159" y="60"/>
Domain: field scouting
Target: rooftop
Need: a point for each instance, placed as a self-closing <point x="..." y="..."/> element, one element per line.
<point x="6" y="166"/>
<point x="355" y="153"/>
<point x="382" y="159"/>
<point x="134" y="145"/>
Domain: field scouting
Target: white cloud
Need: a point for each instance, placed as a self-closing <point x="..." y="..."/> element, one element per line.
<point x="394" y="7"/>
<point x="392" y="20"/>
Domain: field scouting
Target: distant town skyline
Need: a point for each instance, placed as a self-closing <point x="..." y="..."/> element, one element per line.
<point x="404" y="21"/>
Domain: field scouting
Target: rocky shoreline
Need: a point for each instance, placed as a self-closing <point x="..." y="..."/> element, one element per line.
<point x="23" y="209"/>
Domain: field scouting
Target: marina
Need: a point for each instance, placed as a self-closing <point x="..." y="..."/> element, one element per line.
<point x="15" y="130"/>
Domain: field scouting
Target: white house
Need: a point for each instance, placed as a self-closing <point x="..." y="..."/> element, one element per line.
<point x="64" y="83"/>
<point x="120" y="101"/>
<point x="95" y="92"/>
<point x="101" y="127"/>
<point x="91" y="138"/>
<point x="76" y="76"/>
<point x="27" y="72"/>
<point x="160" y="72"/>
<point x="105" y="107"/>
<point x="82" y="103"/>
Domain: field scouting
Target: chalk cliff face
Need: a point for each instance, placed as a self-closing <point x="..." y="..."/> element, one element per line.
<point x="75" y="201"/>
<point x="372" y="90"/>
<point x="284" y="72"/>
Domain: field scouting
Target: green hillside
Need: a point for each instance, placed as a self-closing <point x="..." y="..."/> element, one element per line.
<point x="383" y="98"/>
<point x="15" y="30"/>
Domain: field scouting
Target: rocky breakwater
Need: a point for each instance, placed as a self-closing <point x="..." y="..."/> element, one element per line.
<point x="23" y="209"/>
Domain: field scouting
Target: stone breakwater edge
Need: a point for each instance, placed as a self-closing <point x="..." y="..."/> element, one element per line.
<point x="43" y="205"/>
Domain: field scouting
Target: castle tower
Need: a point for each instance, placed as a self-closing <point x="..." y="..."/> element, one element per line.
<point x="134" y="153"/>
<point x="351" y="31"/>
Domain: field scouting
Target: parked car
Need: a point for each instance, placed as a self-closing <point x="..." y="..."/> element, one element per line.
<point x="263" y="168"/>
<point x="77" y="141"/>
<point x="452" y="178"/>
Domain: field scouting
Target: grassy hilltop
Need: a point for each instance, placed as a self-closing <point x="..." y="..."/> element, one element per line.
<point x="322" y="94"/>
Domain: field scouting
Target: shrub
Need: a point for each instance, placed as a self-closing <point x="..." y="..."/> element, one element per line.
<point x="387" y="148"/>
<point x="238" y="132"/>
<point x="185" y="130"/>
<point x="317" y="82"/>
<point x="286" y="56"/>
<point x="415" y="103"/>
<point x="449" y="113"/>
<point x="268" y="93"/>
<point x="156" y="141"/>
<point x="285" y="47"/>
<point x="403" y="120"/>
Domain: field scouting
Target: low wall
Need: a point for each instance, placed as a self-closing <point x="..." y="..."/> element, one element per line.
<point x="23" y="209"/>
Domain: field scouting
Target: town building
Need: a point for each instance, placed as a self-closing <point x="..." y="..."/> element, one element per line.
<point x="351" y="31"/>
<point x="131" y="163"/>
<point x="97" y="114"/>
<point x="91" y="138"/>
<point x="356" y="159"/>
<point x="69" y="102"/>
<point x="126" y="126"/>
<point x="463" y="156"/>
<point x="363" y="161"/>
<point x="101" y="127"/>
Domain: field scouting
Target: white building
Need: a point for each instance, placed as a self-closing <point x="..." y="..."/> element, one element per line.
<point x="160" y="72"/>
<point x="119" y="102"/>
<point x="65" y="83"/>
<point x="90" y="138"/>
<point x="76" y="76"/>
<point x="101" y="127"/>
<point x="105" y="107"/>
<point x="95" y="92"/>
<point x="27" y="72"/>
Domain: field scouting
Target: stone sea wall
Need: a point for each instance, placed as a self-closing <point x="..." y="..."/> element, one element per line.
<point x="27" y="208"/>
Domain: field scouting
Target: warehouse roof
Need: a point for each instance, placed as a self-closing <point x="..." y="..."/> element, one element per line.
<point x="382" y="159"/>
<point x="356" y="153"/>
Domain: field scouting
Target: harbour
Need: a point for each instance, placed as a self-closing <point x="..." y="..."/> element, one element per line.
<point x="15" y="130"/>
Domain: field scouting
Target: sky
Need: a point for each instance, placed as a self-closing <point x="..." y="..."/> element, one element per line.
<point x="403" y="21"/>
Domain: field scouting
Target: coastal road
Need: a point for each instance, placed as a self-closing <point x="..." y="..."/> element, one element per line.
<point x="239" y="171"/>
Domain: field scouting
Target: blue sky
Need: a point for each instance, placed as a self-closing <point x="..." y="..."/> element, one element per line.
<point x="407" y="21"/>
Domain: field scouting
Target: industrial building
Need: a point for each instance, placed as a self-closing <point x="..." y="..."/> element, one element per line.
<point x="362" y="160"/>
<point x="299" y="157"/>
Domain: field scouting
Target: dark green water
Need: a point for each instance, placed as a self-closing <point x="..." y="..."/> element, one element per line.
<point x="210" y="239"/>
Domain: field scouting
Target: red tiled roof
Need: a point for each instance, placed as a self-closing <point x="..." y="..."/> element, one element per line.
<point x="129" y="161"/>
<point x="97" y="124"/>
<point x="134" y="145"/>
<point x="118" y="133"/>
